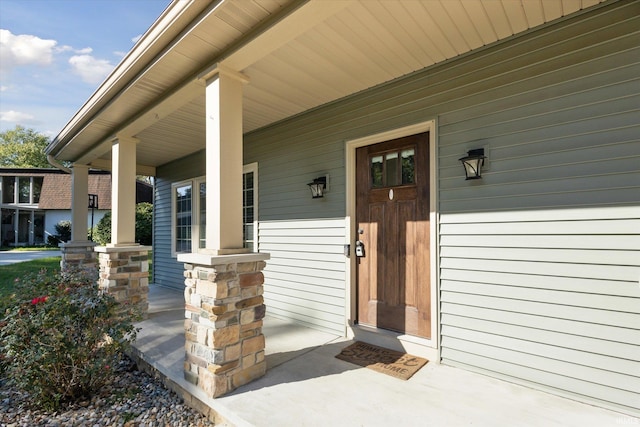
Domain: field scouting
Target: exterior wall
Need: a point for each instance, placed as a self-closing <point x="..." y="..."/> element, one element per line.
<point x="539" y="261"/>
<point x="305" y="277"/>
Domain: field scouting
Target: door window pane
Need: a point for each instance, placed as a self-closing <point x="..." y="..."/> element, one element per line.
<point x="391" y="168"/>
<point x="376" y="172"/>
<point x="24" y="223"/>
<point x="408" y="166"/>
<point x="38" y="228"/>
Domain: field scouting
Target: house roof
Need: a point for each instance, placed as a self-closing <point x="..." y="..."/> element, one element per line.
<point x="298" y="55"/>
<point x="56" y="191"/>
<point x="29" y="171"/>
<point x="56" y="187"/>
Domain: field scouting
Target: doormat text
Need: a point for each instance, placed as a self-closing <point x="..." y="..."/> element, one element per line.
<point x="390" y="362"/>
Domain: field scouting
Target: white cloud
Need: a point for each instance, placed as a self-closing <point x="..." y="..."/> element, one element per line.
<point x="136" y="38"/>
<point x="91" y="70"/>
<point x="15" y="117"/>
<point x="67" y="48"/>
<point x="24" y="49"/>
<point x="4" y="88"/>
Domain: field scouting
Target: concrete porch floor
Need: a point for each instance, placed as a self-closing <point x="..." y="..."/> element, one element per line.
<point x="306" y="385"/>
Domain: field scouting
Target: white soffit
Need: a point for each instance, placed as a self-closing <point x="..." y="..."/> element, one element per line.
<point x="358" y="45"/>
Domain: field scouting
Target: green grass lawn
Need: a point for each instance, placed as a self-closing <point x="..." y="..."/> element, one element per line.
<point x="28" y="248"/>
<point x="8" y="273"/>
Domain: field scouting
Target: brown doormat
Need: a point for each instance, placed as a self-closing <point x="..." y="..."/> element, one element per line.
<point x="390" y="362"/>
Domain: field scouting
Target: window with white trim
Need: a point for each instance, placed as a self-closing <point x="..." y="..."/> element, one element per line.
<point x="188" y="212"/>
<point x="250" y="206"/>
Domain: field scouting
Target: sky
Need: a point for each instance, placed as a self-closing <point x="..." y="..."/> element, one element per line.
<point x="55" y="53"/>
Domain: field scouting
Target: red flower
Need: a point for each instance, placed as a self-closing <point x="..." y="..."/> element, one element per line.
<point x="38" y="300"/>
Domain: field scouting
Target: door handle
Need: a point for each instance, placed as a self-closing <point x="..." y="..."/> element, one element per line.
<point x="360" y="249"/>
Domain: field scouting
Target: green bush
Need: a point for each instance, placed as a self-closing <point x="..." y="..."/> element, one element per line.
<point x="144" y="223"/>
<point x="63" y="233"/>
<point x="61" y="337"/>
<point x="144" y="226"/>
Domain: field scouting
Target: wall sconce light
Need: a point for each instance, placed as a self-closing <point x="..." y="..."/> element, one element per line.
<point x="318" y="186"/>
<point x="473" y="162"/>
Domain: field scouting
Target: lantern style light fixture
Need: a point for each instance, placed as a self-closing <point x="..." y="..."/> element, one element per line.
<point x="473" y="162"/>
<point x="318" y="186"/>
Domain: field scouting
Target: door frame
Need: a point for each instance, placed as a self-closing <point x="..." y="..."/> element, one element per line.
<point x="429" y="348"/>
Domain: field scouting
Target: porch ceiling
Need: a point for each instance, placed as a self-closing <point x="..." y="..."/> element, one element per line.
<point x="297" y="55"/>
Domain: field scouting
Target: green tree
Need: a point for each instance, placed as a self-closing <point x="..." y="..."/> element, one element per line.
<point x="23" y="148"/>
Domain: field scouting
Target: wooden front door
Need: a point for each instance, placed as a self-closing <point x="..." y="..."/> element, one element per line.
<point x="392" y="224"/>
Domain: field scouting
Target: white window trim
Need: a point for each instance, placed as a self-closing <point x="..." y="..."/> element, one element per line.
<point x="248" y="168"/>
<point x="195" y="213"/>
<point x="195" y="209"/>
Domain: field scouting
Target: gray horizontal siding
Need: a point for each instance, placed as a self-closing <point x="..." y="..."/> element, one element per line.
<point x="539" y="262"/>
<point x="557" y="309"/>
<point x="305" y="277"/>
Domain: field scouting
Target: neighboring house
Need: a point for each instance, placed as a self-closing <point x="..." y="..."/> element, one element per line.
<point x="528" y="274"/>
<point x="35" y="200"/>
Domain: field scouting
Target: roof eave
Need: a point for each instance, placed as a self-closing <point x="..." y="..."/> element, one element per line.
<point x="143" y="52"/>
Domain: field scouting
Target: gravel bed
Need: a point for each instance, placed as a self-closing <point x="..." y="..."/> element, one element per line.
<point x="134" y="399"/>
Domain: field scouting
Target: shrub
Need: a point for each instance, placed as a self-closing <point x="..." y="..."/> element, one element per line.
<point x="144" y="226"/>
<point x="102" y="230"/>
<point x="63" y="230"/>
<point x="144" y="223"/>
<point x="61" y="337"/>
<point x="63" y="233"/>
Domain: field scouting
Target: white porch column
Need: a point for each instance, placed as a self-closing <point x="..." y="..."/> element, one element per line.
<point x="224" y="162"/>
<point x="224" y="306"/>
<point x="78" y="253"/>
<point x="79" y="202"/>
<point x="123" y="192"/>
<point x="123" y="263"/>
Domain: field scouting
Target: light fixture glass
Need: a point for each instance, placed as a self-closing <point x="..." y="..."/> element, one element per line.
<point x="473" y="162"/>
<point x="318" y="186"/>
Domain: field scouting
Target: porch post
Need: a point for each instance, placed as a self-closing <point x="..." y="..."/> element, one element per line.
<point x="79" y="202"/>
<point x="224" y="306"/>
<point x="124" y="267"/>
<point x="123" y="192"/>
<point x="78" y="253"/>
<point x="224" y="162"/>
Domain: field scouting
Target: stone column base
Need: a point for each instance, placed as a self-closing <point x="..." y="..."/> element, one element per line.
<point x="124" y="273"/>
<point x="78" y="256"/>
<point x="224" y="308"/>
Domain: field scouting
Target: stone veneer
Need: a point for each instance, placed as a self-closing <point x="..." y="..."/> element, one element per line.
<point x="78" y="256"/>
<point x="224" y="308"/>
<point x="124" y="273"/>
